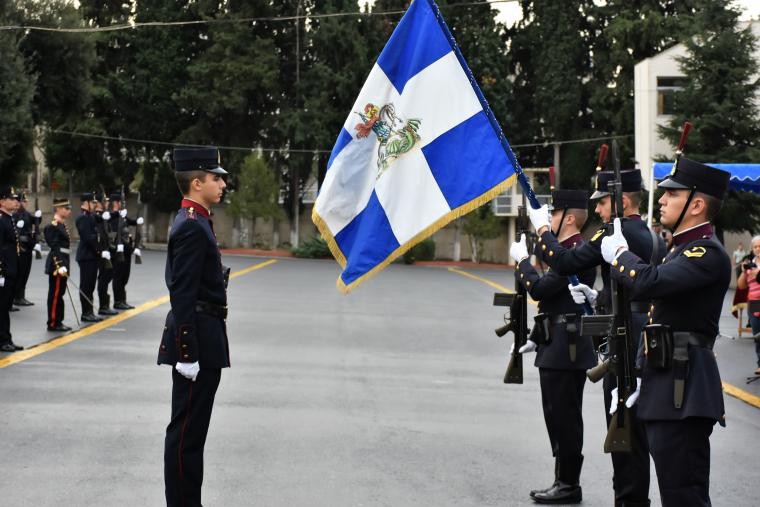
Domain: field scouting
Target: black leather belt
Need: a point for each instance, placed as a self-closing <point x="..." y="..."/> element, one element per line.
<point x="640" y="306"/>
<point x="211" y="309"/>
<point x="693" y="339"/>
<point x="561" y="318"/>
<point x="24" y="239"/>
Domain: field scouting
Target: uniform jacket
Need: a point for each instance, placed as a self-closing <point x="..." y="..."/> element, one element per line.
<point x="554" y="298"/>
<point x="89" y="246"/>
<point x="194" y="273"/>
<point x="58" y="239"/>
<point x="9" y="246"/>
<point x="687" y="293"/>
<point x="25" y="233"/>
<point x="113" y="230"/>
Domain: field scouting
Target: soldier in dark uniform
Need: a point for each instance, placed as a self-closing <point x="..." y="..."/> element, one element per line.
<point x="58" y="239"/>
<point x="630" y="469"/>
<point x="105" y="266"/>
<point x="88" y="256"/>
<point x="563" y="356"/>
<point x="123" y="247"/>
<point x="9" y="253"/>
<point x="194" y="341"/>
<point x="28" y="241"/>
<point x="681" y="395"/>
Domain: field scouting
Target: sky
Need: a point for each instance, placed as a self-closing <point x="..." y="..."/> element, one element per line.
<point x="511" y="12"/>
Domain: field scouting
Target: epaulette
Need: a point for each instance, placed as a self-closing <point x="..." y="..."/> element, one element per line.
<point x="601" y="232"/>
<point x="191" y="213"/>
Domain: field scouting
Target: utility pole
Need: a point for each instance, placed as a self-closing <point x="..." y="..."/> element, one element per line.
<point x="295" y="226"/>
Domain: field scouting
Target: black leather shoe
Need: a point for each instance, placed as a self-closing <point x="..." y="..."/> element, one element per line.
<point x="534" y="492"/>
<point x="14" y="309"/>
<point x="122" y="305"/>
<point x="59" y="327"/>
<point x="16" y="347"/>
<point x="90" y="317"/>
<point x="107" y="311"/>
<point x="7" y="347"/>
<point x="560" y="493"/>
<point x="22" y="302"/>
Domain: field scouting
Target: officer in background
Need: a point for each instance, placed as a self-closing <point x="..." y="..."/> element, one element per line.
<point x="25" y="224"/>
<point x="123" y="247"/>
<point x="58" y="239"/>
<point x="194" y="341"/>
<point x="630" y="479"/>
<point x="105" y="266"/>
<point x="681" y="395"/>
<point x="88" y="255"/>
<point x="563" y="356"/>
<point x="9" y="253"/>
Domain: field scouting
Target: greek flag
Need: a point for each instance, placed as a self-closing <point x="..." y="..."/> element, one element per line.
<point x="419" y="148"/>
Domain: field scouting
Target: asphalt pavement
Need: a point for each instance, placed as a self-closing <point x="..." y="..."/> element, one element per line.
<point x="391" y="395"/>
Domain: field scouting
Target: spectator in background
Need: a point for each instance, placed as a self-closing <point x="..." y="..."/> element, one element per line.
<point x="750" y="280"/>
<point x="738" y="257"/>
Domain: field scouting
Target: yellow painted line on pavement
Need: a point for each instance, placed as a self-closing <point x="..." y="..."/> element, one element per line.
<point x="741" y="394"/>
<point x="60" y="341"/>
<point x="488" y="282"/>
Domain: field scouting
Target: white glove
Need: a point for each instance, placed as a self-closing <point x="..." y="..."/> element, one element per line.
<point x="614" y="245"/>
<point x="582" y="293"/>
<point x="2" y="281"/>
<point x="518" y="250"/>
<point x="123" y="213"/>
<point x="38" y="213"/>
<point x="38" y="248"/>
<point x="120" y="248"/>
<point x="106" y="215"/>
<point x="540" y="217"/>
<point x="631" y="401"/>
<point x="140" y="220"/>
<point x="106" y="255"/>
<point x="138" y="253"/>
<point x="189" y="370"/>
<point x="20" y="224"/>
<point x="62" y="271"/>
<point x="530" y="346"/>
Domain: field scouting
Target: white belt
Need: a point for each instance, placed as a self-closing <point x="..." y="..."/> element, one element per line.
<point x="65" y="250"/>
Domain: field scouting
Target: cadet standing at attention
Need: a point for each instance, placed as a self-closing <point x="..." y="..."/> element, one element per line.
<point x="194" y="342"/>
<point x="681" y="393"/>
<point x="58" y="239"/>
<point x="563" y="356"/>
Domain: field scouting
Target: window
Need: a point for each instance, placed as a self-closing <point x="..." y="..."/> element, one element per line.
<point x="666" y="88"/>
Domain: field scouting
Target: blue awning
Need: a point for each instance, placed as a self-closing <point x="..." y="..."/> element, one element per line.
<point x="743" y="176"/>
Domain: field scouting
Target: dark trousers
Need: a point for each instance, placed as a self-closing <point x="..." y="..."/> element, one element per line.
<point x="6" y="301"/>
<point x="562" y="400"/>
<point x="55" y="306"/>
<point x="24" y="268"/>
<point x="105" y="275"/>
<point x="88" y="277"/>
<point x="121" y="271"/>
<point x="681" y="453"/>
<point x="630" y="470"/>
<point x="192" y="403"/>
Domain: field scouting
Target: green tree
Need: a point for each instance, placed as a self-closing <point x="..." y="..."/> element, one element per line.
<point x="257" y="193"/>
<point x="720" y="98"/>
<point x="16" y="93"/>
<point x="481" y="225"/>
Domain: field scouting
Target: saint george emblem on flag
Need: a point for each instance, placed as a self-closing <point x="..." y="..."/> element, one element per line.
<point x="420" y="147"/>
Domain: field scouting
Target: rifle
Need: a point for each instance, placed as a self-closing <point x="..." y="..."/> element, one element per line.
<point x="621" y="345"/>
<point x="103" y="239"/>
<point x="516" y="321"/>
<point x="36" y="228"/>
<point x="138" y="244"/>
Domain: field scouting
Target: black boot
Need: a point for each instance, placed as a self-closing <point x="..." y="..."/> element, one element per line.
<point x="7" y="347"/>
<point x="122" y="305"/>
<point x="22" y="302"/>
<point x="14" y="309"/>
<point x="105" y="307"/>
<point x="556" y="479"/>
<point x="560" y="493"/>
<point x="90" y="317"/>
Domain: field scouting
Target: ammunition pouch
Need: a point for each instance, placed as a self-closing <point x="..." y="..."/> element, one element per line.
<point x="541" y="332"/>
<point x="570" y="322"/>
<point x="667" y="350"/>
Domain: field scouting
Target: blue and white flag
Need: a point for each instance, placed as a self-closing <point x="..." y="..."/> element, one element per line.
<point x="419" y="148"/>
